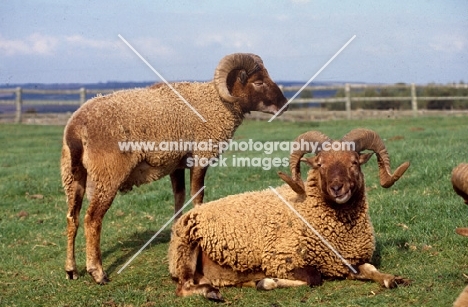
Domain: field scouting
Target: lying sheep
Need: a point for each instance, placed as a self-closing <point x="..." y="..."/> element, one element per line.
<point x="460" y="185"/>
<point x="93" y="162"/>
<point x="253" y="239"/>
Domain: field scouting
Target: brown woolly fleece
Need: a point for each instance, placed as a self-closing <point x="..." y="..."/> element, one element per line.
<point x="143" y="115"/>
<point x="462" y="299"/>
<point x="256" y="231"/>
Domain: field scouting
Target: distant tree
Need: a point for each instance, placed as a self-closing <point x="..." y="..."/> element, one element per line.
<point x="336" y="106"/>
<point x="305" y="94"/>
<point x="437" y="91"/>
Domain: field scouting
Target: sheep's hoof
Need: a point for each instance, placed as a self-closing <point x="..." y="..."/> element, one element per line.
<point x="73" y="274"/>
<point x="214" y="295"/>
<point x="267" y="284"/>
<point x="396" y="281"/>
<point x="99" y="277"/>
<point x="103" y="280"/>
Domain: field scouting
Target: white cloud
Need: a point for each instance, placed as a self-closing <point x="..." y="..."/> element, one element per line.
<point x="34" y="44"/>
<point x="10" y="47"/>
<point x="235" y="39"/>
<point x="45" y="45"/>
<point x="449" y="43"/>
<point x="78" y="40"/>
<point x="152" y="46"/>
<point x="84" y="46"/>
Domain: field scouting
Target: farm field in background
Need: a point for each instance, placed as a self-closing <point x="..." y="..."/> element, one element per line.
<point x="414" y="222"/>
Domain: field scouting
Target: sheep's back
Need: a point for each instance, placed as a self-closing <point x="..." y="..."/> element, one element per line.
<point x="160" y="114"/>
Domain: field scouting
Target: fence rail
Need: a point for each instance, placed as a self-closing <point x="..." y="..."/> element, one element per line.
<point x="347" y="98"/>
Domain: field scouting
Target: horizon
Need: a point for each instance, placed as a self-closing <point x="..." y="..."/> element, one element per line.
<point x="281" y="82"/>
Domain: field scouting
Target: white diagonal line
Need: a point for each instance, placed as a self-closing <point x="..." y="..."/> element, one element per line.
<point x="313" y="77"/>
<point x="159" y="231"/>
<point x="316" y="232"/>
<point x="162" y="78"/>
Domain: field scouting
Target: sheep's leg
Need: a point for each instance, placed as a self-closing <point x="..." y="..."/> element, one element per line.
<point x="197" y="181"/>
<point x="74" y="182"/>
<point x="178" y="188"/>
<point x="99" y="204"/>
<point x="299" y="277"/>
<point x="184" y="258"/>
<point x="368" y="272"/>
<point x="273" y="283"/>
<point x="188" y="288"/>
<point x="75" y="193"/>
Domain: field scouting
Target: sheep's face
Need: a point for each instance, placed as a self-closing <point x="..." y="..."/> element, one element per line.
<point x="340" y="176"/>
<point x="257" y="92"/>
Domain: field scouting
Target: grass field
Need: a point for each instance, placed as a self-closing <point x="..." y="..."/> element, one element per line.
<point x="414" y="222"/>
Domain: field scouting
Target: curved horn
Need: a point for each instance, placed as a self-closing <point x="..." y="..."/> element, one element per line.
<point x="312" y="137"/>
<point x="367" y="139"/>
<point x="250" y="62"/>
<point x="460" y="180"/>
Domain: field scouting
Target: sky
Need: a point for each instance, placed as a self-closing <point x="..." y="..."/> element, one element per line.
<point x="419" y="41"/>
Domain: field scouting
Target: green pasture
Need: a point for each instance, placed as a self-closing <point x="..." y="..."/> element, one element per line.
<point x="414" y="222"/>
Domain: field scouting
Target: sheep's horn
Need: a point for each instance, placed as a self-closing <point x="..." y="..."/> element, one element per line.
<point x="312" y="137"/>
<point x="250" y="62"/>
<point x="296" y="186"/>
<point x="460" y="180"/>
<point x="367" y="139"/>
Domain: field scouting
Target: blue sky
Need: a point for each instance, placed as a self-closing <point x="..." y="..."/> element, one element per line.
<point x="417" y="41"/>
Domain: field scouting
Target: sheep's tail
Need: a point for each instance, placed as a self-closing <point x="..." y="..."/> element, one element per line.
<point x="71" y="164"/>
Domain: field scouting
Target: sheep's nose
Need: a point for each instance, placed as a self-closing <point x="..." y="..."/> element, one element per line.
<point x="336" y="188"/>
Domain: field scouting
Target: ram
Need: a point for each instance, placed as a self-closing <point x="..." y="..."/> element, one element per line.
<point x="254" y="239"/>
<point x="94" y="162"/>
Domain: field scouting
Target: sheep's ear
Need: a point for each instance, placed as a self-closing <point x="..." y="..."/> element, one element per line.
<point x="363" y="158"/>
<point x="311" y="161"/>
<point x="243" y="77"/>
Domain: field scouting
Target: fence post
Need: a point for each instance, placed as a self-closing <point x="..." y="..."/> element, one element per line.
<point x="414" y="100"/>
<point x="82" y="95"/>
<point x="19" y="104"/>
<point x="348" y="100"/>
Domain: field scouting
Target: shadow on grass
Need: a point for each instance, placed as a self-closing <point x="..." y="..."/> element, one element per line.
<point x="400" y="243"/>
<point x="132" y="245"/>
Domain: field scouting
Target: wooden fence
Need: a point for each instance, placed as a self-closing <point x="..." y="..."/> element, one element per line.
<point x="348" y="98"/>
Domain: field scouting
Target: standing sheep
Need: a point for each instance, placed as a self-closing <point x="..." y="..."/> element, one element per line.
<point x="93" y="162"/>
<point x="253" y="239"/>
<point x="460" y="185"/>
